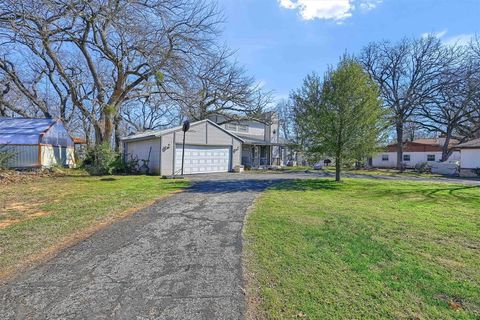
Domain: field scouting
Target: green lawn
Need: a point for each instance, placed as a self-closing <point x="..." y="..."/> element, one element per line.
<point x="365" y="249"/>
<point x="384" y="172"/>
<point x="44" y="215"/>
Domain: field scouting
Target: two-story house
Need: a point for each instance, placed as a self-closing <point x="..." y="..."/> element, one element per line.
<point x="211" y="145"/>
<point x="262" y="145"/>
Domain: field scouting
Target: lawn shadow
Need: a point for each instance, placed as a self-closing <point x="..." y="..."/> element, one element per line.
<point x="431" y="193"/>
<point x="234" y="185"/>
<point x="108" y="179"/>
<point x="308" y="185"/>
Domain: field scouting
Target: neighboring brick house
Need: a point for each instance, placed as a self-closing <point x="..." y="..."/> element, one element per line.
<point x="414" y="152"/>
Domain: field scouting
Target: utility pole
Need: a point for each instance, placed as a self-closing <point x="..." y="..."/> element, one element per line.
<point x="185" y="127"/>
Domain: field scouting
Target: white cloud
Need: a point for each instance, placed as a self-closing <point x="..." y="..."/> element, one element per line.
<point x="337" y="10"/>
<point x="367" y="5"/>
<point x="438" y="34"/>
<point x="460" y="39"/>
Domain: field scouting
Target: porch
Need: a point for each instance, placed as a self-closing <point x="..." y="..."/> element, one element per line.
<point x="258" y="156"/>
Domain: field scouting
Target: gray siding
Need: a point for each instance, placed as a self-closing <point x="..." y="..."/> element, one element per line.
<point x="164" y="148"/>
<point x="196" y="135"/>
<point x="168" y="153"/>
<point x="140" y="150"/>
<point x="25" y="156"/>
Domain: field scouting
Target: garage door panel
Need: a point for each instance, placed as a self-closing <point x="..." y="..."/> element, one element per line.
<point x="203" y="159"/>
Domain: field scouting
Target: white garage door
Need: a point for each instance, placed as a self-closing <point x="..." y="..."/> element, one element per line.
<point x="202" y="159"/>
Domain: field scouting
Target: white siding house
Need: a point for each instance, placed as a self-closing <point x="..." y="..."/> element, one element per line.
<point x="470" y="158"/>
<point x="414" y="152"/>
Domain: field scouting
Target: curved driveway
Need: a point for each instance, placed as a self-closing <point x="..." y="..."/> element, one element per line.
<point x="178" y="259"/>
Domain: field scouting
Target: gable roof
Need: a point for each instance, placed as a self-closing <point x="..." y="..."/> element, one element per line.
<point x="422" y="145"/>
<point x="23" y="130"/>
<point x="473" y="144"/>
<point x="158" y="133"/>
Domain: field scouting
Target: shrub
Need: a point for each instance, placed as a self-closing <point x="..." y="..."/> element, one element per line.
<point x="102" y="160"/>
<point x="422" y="167"/>
<point x="476" y="171"/>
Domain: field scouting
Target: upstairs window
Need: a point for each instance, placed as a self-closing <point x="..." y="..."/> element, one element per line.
<point x="384" y="157"/>
<point x="236" y="127"/>
<point x="242" y="128"/>
<point x="406" y="157"/>
<point x="231" y="126"/>
<point x="430" y="157"/>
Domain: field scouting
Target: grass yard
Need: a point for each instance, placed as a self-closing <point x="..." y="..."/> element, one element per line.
<point x="364" y="249"/>
<point x="39" y="217"/>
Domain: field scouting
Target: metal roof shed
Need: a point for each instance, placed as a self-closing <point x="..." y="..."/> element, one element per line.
<point x="36" y="143"/>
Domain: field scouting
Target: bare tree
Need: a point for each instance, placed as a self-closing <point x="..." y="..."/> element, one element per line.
<point x="98" y="52"/>
<point x="152" y="112"/>
<point x="218" y="86"/>
<point x="408" y="74"/>
<point x="453" y="105"/>
<point x="284" y="110"/>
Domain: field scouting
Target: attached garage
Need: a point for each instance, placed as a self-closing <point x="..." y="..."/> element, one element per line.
<point x="208" y="148"/>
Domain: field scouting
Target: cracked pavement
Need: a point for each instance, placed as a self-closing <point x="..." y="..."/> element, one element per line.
<point x="177" y="259"/>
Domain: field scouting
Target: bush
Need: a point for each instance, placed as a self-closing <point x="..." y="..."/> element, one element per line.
<point x="476" y="171"/>
<point x="102" y="160"/>
<point x="423" y="167"/>
<point x="5" y="155"/>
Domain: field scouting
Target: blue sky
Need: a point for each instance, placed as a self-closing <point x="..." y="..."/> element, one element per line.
<point x="280" y="41"/>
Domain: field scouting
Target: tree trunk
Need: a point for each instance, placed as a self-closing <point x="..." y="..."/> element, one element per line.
<point x="399" y="129"/>
<point x="108" y="131"/>
<point x="118" y="133"/>
<point x="338" y="168"/>
<point x="445" y="150"/>
<point x="97" y="126"/>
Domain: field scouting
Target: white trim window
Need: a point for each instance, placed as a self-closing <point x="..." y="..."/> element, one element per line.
<point x="242" y="128"/>
<point x="231" y="126"/>
<point x="236" y="127"/>
<point x="430" y="157"/>
<point x="384" y="157"/>
<point x="406" y="157"/>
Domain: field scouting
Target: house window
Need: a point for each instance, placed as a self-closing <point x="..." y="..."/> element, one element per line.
<point x="430" y="157"/>
<point x="406" y="157"/>
<point x="231" y="126"/>
<point x="236" y="127"/>
<point x="242" y="128"/>
<point x="384" y="157"/>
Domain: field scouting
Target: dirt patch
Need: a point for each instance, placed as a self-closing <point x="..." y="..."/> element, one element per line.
<point x="8" y="177"/>
<point x="15" y="212"/>
<point x="69" y="241"/>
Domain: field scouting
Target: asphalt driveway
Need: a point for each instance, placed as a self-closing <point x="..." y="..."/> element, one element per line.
<point x="178" y="259"/>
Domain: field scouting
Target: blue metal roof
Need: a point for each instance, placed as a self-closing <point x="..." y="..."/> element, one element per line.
<point x="23" y="130"/>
